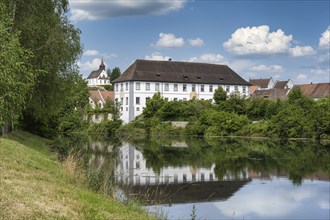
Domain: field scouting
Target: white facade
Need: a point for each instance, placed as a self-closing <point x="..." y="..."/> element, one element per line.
<point x="132" y="169"/>
<point x="100" y="80"/>
<point x="133" y="95"/>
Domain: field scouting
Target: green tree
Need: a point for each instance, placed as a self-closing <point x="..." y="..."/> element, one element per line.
<point x="55" y="45"/>
<point x="153" y="105"/>
<point x="220" y="95"/>
<point x="16" y="78"/>
<point x="114" y="74"/>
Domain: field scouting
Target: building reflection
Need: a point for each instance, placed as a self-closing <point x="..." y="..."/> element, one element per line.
<point x="173" y="184"/>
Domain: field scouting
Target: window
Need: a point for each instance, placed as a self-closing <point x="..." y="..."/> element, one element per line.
<point x="137" y="165"/>
<point x="147" y="86"/>
<point x="137" y="109"/>
<point x="137" y="86"/>
<point x="202" y="177"/>
<point x="193" y="88"/>
<point x="211" y="176"/>
<point x="121" y="87"/>
<point x="227" y="88"/>
<point x="193" y="177"/>
<point x="147" y="99"/>
<point x="236" y="88"/>
<point x="184" y="99"/>
<point x="121" y="101"/>
<point x="126" y="85"/>
<point x="137" y="100"/>
<point x="202" y="88"/>
<point x="175" y="99"/>
<point x="184" y="178"/>
<point x="116" y="87"/>
<point x="184" y="87"/>
<point x="166" y="87"/>
<point x="126" y="100"/>
<point x="175" y="87"/>
<point x="175" y="178"/>
<point x="127" y="109"/>
<point x="211" y="88"/>
<point x="157" y="87"/>
<point x="244" y="89"/>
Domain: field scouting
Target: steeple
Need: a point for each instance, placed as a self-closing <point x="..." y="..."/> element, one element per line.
<point x="102" y="66"/>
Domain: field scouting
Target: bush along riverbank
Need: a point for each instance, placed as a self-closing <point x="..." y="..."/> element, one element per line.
<point x="35" y="185"/>
<point x="297" y="117"/>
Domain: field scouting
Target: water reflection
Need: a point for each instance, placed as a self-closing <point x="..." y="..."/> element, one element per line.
<point x="223" y="178"/>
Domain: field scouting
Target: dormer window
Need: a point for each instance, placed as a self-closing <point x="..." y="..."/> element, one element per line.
<point x="157" y="74"/>
<point x="185" y="76"/>
<point x="199" y="78"/>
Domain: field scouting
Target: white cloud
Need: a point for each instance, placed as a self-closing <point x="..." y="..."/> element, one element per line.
<point x="169" y="40"/>
<point x="301" y="51"/>
<point x="96" y="53"/>
<point x="156" y="56"/>
<point x="209" y="58"/>
<point x="95" y="10"/>
<point x="89" y="66"/>
<point x="325" y="39"/>
<point x="321" y="71"/>
<point x="302" y="77"/>
<point x="196" y="42"/>
<point x="264" y="68"/>
<point x="258" y="40"/>
<point x="324" y="58"/>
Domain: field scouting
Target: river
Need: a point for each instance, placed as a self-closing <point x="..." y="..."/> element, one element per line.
<point x="215" y="178"/>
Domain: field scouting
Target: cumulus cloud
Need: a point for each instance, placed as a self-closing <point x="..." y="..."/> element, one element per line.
<point x="258" y="40"/>
<point x="324" y="58"/>
<point x="169" y="40"/>
<point x="156" y="56"/>
<point x="301" y="51"/>
<point x="324" y="41"/>
<point x="264" y="68"/>
<point x="302" y="77"/>
<point x="89" y="66"/>
<point x="196" y="42"/>
<point x="209" y="58"/>
<point x="96" y="53"/>
<point x="95" y="10"/>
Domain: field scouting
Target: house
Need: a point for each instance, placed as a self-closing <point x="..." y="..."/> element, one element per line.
<point x="175" y="81"/>
<point x="315" y="91"/>
<point x="97" y="99"/>
<point x="287" y="84"/>
<point x="272" y="94"/>
<point x="261" y="84"/>
<point x="98" y="77"/>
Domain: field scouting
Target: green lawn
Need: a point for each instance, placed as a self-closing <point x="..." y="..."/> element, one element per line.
<point x="33" y="185"/>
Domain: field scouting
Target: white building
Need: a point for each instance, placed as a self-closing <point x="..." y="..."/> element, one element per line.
<point x="97" y="99"/>
<point x="132" y="169"/>
<point x="174" y="81"/>
<point x="98" y="77"/>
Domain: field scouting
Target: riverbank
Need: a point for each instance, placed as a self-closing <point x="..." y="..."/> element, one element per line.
<point x="34" y="186"/>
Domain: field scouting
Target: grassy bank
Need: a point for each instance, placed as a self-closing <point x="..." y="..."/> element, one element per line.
<point x="34" y="185"/>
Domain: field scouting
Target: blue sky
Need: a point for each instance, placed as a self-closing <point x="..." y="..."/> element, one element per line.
<point x="263" y="38"/>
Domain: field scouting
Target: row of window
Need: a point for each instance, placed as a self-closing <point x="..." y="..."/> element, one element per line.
<point x="175" y="178"/>
<point x="175" y="87"/>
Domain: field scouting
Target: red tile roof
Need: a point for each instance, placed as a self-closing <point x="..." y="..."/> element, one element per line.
<point x="320" y="90"/>
<point x="263" y="83"/>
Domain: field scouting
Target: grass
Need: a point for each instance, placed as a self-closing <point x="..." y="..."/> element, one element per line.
<point x="35" y="185"/>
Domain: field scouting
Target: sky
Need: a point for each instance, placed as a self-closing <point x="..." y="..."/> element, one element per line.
<point x="282" y="39"/>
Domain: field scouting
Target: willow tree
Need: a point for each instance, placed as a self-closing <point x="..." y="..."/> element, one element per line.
<point x="16" y="78"/>
<point x="55" y="45"/>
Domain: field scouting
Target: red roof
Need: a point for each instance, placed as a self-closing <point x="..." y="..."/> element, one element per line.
<point x="320" y="90"/>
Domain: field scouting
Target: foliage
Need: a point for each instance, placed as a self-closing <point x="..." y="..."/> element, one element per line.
<point x="55" y="46"/>
<point x="16" y="76"/>
<point x="115" y="73"/>
<point x="220" y="95"/>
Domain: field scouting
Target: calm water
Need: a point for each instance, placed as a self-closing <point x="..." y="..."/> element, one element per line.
<point x="215" y="178"/>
